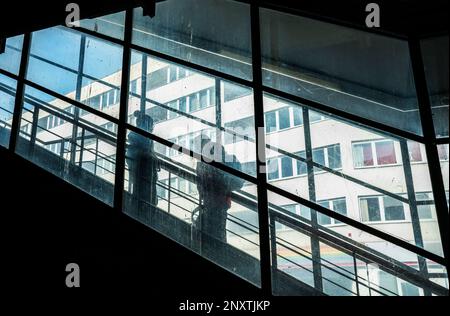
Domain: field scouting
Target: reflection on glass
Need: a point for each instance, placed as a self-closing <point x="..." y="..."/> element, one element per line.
<point x="7" y="100"/>
<point x="10" y="59"/>
<point x="184" y="104"/>
<point x="357" y="72"/>
<point x="347" y="262"/>
<point x="179" y="31"/>
<point x="190" y="201"/>
<point x="82" y="151"/>
<point x="381" y="181"/>
<point x="362" y="169"/>
<point x="111" y="25"/>
<point x="77" y="66"/>
<point x="435" y="59"/>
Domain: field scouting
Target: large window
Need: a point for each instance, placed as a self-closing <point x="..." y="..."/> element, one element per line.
<point x="338" y="205"/>
<point x="333" y="137"/>
<point x="374" y="153"/>
<point x="287" y="117"/>
<point x="329" y="157"/>
<point x="239" y="129"/>
<point x="381" y="209"/>
<point x="171" y="32"/>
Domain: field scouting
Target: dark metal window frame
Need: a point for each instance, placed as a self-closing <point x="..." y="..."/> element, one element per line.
<point x="266" y="224"/>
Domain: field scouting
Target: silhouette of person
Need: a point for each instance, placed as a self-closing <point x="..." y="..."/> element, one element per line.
<point x="142" y="163"/>
<point x="212" y="189"/>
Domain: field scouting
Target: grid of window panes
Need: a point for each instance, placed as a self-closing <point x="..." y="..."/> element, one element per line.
<point x="356" y="172"/>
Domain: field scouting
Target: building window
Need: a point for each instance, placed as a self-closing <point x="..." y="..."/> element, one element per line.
<point x="393" y="209"/>
<point x="249" y="168"/>
<point x="94" y="102"/>
<point x="362" y="155"/>
<point x="157" y="79"/>
<point x="334" y="156"/>
<point x="408" y="289"/>
<point x="286" y="167"/>
<point x="242" y="127"/>
<point x="233" y="91"/>
<point x="375" y="153"/>
<point x="188" y="141"/>
<point x="319" y="157"/>
<point x="337" y="205"/>
<point x="270" y="122"/>
<point x="443" y="152"/>
<point x="284" y="118"/>
<point x="182" y="105"/>
<point x="385" y="152"/>
<point x="302" y="167"/>
<point x="273" y="169"/>
<point x="380" y="209"/>
<point x="424" y="211"/>
<point x="326" y="156"/>
<point x="315" y="117"/>
<point x="172" y="73"/>
<point x="370" y="209"/>
<point x="172" y="105"/>
<point x="134" y="86"/>
<point x="415" y="153"/>
<point x="329" y="156"/>
<point x="298" y="115"/>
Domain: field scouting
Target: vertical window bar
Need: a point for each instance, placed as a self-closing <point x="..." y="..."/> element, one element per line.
<point x="121" y="128"/>
<point x="218" y="112"/>
<point x="263" y="207"/>
<point x="415" y="220"/>
<point x="34" y="128"/>
<point x="20" y="92"/>
<point x="73" y="148"/>
<point x="426" y="119"/>
<point x="315" y="245"/>
<point x="143" y="82"/>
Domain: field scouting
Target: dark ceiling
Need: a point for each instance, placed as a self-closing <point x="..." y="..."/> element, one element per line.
<point x="403" y="17"/>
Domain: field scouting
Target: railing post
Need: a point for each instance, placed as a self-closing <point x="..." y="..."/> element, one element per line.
<point x="169" y="192"/>
<point x="83" y="133"/>
<point x="34" y="128"/>
<point x="356" y="273"/>
<point x="96" y="156"/>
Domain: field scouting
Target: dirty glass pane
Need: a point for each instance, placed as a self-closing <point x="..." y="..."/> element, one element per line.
<point x="81" y="151"/>
<point x="435" y="59"/>
<point x="362" y="73"/>
<point x="77" y="66"/>
<point x="341" y="261"/>
<point x="111" y="25"/>
<point x="183" y="104"/>
<point x="204" y="209"/>
<point x="178" y="30"/>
